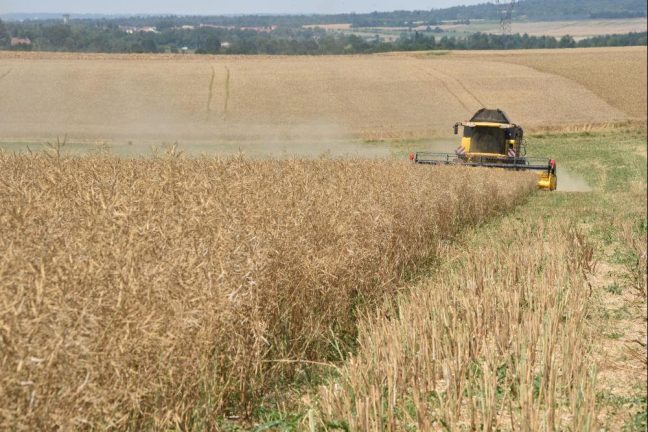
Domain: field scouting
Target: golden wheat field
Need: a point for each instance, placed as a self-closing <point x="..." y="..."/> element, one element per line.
<point x="620" y="81"/>
<point x="206" y="99"/>
<point x="166" y="292"/>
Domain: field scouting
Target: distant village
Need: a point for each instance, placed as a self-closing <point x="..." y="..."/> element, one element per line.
<point x="26" y="43"/>
<point x="152" y="29"/>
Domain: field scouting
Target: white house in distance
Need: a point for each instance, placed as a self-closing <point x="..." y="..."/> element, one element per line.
<point x="16" y="41"/>
<point x="132" y="30"/>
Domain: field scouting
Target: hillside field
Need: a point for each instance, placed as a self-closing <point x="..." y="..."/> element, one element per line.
<point x="578" y="29"/>
<point x="122" y="98"/>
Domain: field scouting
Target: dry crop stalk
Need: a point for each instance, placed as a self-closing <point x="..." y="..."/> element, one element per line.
<point x="160" y="292"/>
<point x="484" y="345"/>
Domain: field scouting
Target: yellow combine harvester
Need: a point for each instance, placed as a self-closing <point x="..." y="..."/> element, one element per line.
<point x="491" y="140"/>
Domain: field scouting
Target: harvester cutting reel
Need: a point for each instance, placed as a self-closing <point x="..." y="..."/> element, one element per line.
<point x="546" y="168"/>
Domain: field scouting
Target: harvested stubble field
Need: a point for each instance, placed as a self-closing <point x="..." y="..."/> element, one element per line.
<point x="167" y="292"/>
<point x="620" y="81"/>
<point x="579" y="29"/>
<point x="534" y="321"/>
<point x="498" y="341"/>
<point x="207" y="99"/>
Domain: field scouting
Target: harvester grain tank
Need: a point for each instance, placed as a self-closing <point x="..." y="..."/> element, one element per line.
<point x="491" y="140"/>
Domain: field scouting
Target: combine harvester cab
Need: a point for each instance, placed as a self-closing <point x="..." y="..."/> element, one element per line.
<point x="491" y="140"/>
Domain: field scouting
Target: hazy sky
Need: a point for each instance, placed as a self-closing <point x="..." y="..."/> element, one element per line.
<point x="220" y="6"/>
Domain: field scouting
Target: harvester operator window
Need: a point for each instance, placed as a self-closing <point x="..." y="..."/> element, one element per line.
<point x="467" y="132"/>
<point x="488" y="140"/>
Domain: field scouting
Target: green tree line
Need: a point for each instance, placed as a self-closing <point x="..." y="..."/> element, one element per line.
<point x="107" y="37"/>
<point x="533" y="10"/>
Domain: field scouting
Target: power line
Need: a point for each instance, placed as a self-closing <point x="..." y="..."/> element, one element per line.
<point x="506" y="14"/>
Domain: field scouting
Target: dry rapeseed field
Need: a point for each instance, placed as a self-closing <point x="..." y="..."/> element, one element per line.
<point x="207" y="99"/>
<point x="165" y="292"/>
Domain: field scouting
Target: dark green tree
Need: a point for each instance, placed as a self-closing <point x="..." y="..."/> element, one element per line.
<point x="166" y="23"/>
<point x="567" y="42"/>
<point x="212" y="45"/>
<point x="149" y="45"/>
<point x="57" y="35"/>
<point x="4" y="35"/>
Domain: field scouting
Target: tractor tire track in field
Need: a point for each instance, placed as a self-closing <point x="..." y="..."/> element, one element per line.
<point x="448" y="82"/>
<point x="467" y="90"/>
<point x="4" y="75"/>
<point x="210" y="92"/>
<point x="227" y="91"/>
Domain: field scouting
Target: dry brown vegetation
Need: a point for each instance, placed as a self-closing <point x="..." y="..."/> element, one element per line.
<point x="203" y="98"/>
<point x="498" y="340"/>
<point x="165" y="292"/>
